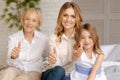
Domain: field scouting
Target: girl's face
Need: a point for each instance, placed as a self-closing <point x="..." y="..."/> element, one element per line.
<point x="30" y="21"/>
<point x="86" y="40"/>
<point x="68" y="19"/>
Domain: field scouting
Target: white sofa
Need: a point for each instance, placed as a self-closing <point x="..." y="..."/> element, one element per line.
<point x="111" y="62"/>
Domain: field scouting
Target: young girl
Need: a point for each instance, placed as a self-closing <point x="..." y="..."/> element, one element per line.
<point x="88" y="56"/>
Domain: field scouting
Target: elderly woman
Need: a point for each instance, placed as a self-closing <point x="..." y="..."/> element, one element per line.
<point x="25" y="49"/>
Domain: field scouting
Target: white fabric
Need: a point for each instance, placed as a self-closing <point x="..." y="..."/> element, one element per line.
<point x="16" y="74"/>
<point x="107" y="64"/>
<point x="84" y="61"/>
<point x="64" y="49"/>
<point x="107" y="49"/>
<point x="30" y="56"/>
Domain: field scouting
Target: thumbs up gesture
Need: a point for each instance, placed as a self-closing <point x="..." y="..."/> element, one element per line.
<point x="15" y="51"/>
<point x="52" y="57"/>
<point x="78" y="52"/>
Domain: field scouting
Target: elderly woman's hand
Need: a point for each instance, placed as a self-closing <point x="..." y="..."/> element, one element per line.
<point x="16" y="51"/>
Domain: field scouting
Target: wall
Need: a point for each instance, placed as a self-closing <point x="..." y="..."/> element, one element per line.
<point x="4" y="33"/>
<point x="105" y="15"/>
<point x="50" y="9"/>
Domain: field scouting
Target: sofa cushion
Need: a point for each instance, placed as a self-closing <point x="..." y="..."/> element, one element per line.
<point x="114" y="54"/>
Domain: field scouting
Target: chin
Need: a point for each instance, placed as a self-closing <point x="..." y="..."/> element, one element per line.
<point x="87" y="47"/>
<point x="29" y="30"/>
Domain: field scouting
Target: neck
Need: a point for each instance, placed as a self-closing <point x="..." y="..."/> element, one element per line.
<point x="29" y="36"/>
<point x="69" y="32"/>
<point x="88" y="51"/>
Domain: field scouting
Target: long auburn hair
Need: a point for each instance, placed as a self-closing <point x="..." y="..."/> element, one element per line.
<point x="93" y="32"/>
<point x="59" y="30"/>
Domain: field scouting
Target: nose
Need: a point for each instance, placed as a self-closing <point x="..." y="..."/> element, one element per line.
<point x="29" y="22"/>
<point x="86" y="40"/>
<point x="68" y="18"/>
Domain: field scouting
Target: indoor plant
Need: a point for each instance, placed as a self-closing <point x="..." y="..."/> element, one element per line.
<point x="13" y="10"/>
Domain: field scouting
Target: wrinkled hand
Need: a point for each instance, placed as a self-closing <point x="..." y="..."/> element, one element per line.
<point x="52" y="57"/>
<point x="16" y="51"/>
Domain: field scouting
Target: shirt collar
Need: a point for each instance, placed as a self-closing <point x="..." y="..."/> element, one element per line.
<point x="36" y="35"/>
<point x="65" y="37"/>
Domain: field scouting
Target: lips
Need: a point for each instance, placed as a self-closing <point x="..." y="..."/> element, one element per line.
<point x="27" y="26"/>
<point x="67" y="24"/>
<point x="86" y="44"/>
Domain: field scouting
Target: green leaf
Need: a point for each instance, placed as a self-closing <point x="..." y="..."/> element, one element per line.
<point x="5" y="10"/>
<point x="2" y="16"/>
<point x="31" y="4"/>
<point x="20" y="27"/>
<point x="7" y="20"/>
<point x="8" y="2"/>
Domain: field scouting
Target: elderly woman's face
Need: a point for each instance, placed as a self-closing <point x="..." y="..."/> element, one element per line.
<point x="31" y="21"/>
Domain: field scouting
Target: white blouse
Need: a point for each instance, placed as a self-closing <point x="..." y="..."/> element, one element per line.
<point x="64" y="49"/>
<point x="30" y="56"/>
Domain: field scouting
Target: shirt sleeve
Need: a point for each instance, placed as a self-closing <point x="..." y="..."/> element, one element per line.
<point x="11" y="45"/>
<point x="52" y="44"/>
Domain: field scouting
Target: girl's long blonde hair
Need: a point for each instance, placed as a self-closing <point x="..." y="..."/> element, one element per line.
<point x="59" y="30"/>
<point x="92" y="30"/>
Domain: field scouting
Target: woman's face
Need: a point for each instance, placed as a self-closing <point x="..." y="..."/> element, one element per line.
<point x="86" y="40"/>
<point x="68" y="19"/>
<point x="31" y="21"/>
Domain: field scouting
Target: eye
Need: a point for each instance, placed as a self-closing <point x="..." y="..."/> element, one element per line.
<point x="81" y="37"/>
<point x="65" y="15"/>
<point x="72" y="16"/>
<point x="90" y="36"/>
<point x="26" y="18"/>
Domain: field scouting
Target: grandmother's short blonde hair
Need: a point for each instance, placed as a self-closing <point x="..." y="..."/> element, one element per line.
<point x="32" y="10"/>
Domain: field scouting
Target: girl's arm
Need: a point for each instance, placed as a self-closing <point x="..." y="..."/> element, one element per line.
<point x="96" y="67"/>
<point x="77" y="53"/>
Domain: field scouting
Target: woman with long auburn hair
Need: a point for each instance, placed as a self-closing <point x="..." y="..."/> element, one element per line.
<point x="61" y="42"/>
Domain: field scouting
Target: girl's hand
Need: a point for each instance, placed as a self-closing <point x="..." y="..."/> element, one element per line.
<point x="78" y="52"/>
<point x="52" y="57"/>
<point x="16" y="51"/>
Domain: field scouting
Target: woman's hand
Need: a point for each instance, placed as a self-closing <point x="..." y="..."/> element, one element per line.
<point x="52" y="57"/>
<point x="16" y="51"/>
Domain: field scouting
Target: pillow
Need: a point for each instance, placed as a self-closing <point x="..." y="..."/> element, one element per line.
<point x="107" y="49"/>
<point x="114" y="54"/>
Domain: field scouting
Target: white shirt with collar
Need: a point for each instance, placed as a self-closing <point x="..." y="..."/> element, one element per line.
<point x="30" y="56"/>
<point x="64" y="49"/>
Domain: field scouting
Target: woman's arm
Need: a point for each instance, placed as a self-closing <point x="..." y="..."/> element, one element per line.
<point x="96" y="67"/>
<point x="53" y="57"/>
<point x="12" y="55"/>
